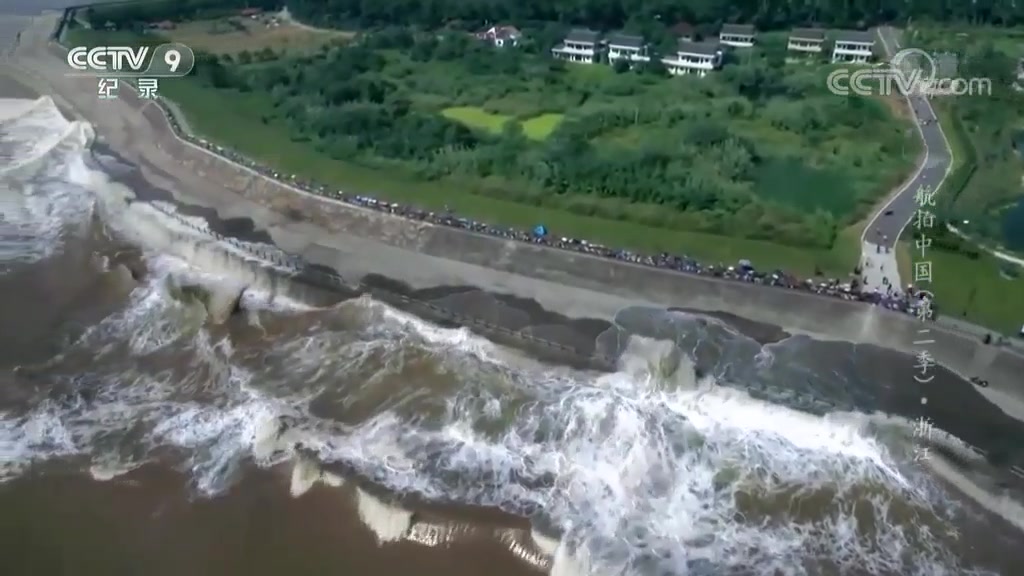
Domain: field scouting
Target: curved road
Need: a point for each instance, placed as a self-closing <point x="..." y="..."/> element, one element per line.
<point x="878" y="258"/>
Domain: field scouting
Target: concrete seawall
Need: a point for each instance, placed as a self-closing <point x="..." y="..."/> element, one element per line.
<point x="302" y="274"/>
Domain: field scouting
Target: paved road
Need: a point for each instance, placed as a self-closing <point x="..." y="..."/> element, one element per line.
<point x="889" y="222"/>
<point x="885" y="230"/>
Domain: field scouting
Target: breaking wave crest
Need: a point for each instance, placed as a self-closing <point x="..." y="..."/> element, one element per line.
<point x="41" y="192"/>
<point x="646" y="467"/>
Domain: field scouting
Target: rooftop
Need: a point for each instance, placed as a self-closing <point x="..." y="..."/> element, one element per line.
<point x="811" y="34"/>
<point x="583" y="35"/>
<point x="701" y="48"/>
<point x="738" y="29"/>
<point x="626" y="40"/>
<point x="856" y="36"/>
<point x="499" y="32"/>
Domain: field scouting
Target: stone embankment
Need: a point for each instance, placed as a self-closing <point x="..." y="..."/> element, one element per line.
<point x="301" y="271"/>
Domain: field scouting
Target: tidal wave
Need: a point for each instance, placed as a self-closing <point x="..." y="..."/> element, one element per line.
<point x="40" y="186"/>
<point x="633" y="467"/>
<point x="649" y="469"/>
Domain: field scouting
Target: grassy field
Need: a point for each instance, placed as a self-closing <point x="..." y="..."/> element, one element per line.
<point x="233" y="35"/>
<point x="537" y="128"/>
<point x="476" y="117"/>
<point x="540" y="127"/>
<point x="972" y="290"/>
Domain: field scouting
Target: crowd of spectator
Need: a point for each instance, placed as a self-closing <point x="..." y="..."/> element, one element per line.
<point x="908" y="301"/>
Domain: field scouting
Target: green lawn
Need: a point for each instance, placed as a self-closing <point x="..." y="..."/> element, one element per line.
<point x="540" y="127"/>
<point x="476" y="117"/>
<point x="972" y="290"/>
<point x="537" y="128"/>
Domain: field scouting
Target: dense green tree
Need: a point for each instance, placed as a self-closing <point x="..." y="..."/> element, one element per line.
<point x="127" y="14"/>
<point x="643" y="15"/>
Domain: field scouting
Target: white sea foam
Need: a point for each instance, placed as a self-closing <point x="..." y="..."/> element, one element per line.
<point x="544" y="543"/>
<point x="203" y="259"/>
<point x="305" y="474"/>
<point x="621" y="462"/>
<point x="267" y="255"/>
<point x="518" y="544"/>
<point x="389" y="522"/>
<point x="437" y="535"/>
<point x="31" y="128"/>
<point x="39" y="197"/>
<point x="106" y="467"/>
<point x="152" y="319"/>
<point x="569" y="563"/>
<point x="39" y="435"/>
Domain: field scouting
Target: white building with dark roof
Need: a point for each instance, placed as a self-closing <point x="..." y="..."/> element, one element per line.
<point x="854" y="46"/>
<point x="500" y="36"/>
<point x="806" y="40"/>
<point x="694" y="58"/>
<point x="580" y="45"/>
<point x="738" y="35"/>
<point x="626" y="47"/>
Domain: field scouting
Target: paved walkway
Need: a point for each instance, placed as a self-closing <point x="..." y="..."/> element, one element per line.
<point x="888" y="224"/>
<point x="879" y="269"/>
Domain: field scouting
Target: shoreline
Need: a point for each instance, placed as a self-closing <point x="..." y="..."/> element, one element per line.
<point x="500" y="275"/>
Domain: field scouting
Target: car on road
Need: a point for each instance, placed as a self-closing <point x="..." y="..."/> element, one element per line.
<point x="887" y="213"/>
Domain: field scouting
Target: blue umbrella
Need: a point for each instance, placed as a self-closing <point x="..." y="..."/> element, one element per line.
<point x="540" y="230"/>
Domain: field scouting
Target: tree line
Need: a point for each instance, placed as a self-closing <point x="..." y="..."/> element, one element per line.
<point x="638" y="15"/>
<point x="615" y="14"/>
<point x="124" y="15"/>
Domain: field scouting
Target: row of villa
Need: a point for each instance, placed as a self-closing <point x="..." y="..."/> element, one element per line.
<point x="692" y="57"/>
